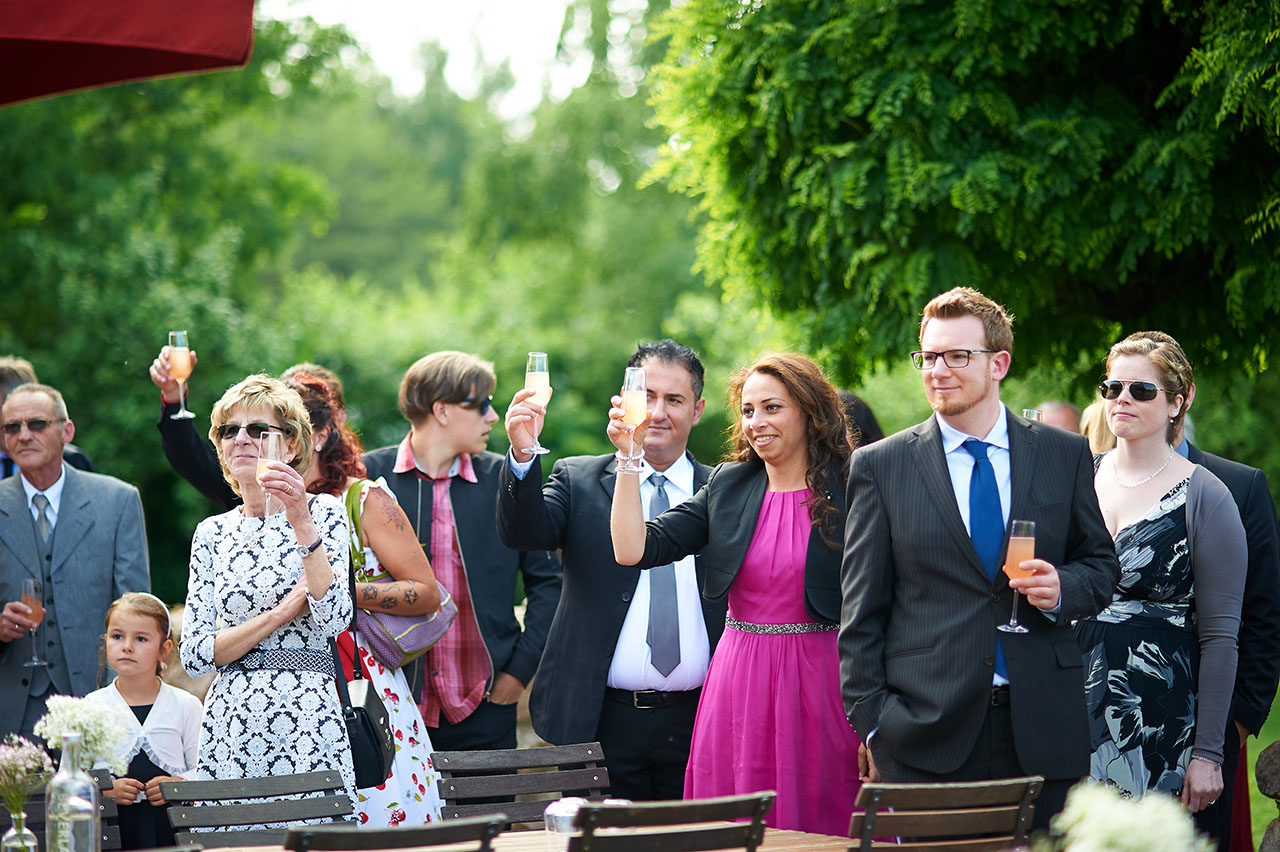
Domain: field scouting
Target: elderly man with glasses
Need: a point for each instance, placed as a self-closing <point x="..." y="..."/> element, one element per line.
<point x="80" y="537"/>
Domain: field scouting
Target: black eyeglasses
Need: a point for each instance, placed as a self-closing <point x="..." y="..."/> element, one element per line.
<point x="482" y="406"/>
<point x="953" y="358"/>
<point x="13" y="427"/>
<point x="1141" y="391"/>
<point x="255" y="430"/>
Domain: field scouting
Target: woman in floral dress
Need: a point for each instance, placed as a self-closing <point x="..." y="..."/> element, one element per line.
<point x="406" y="586"/>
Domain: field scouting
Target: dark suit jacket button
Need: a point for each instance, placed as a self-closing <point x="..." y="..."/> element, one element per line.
<point x="988" y="661"/>
<point x="995" y="596"/>
<point x="626" y="596"/>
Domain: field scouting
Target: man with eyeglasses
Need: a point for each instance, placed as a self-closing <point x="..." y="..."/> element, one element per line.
<point x="16" y="371"/>
<point x="80" y="536"/>
<point x="931" y="684"/>
<point x="1258" y="666"/>
<point x="447" y="483"/>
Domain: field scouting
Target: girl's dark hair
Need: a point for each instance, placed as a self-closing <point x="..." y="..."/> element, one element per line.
<point x="338" y="458"/>
<point x="827" y="432"/>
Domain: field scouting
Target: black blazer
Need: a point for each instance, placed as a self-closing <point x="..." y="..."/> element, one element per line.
<point x="918" y="630"/>
<point x="194" y="459"/>
<point x="571" y="513"/>
<point x="1259" y="640"/>
<point x="719" y="522"/>
<point x="491" y="567"/>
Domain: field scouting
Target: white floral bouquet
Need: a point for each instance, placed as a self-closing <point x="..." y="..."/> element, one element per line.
<point x="1098" y="819"/>
<point x="24" y="767"/>
<point x="102" y="731"/>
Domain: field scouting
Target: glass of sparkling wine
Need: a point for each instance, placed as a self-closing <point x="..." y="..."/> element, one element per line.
<point x="1033" y="414"/>
<point x="1022" y="546"/>
<point x="536" y="378"/>
<point x="180" y="369"/>
<point x="32" y="596"/>
<point x="272" y="450"/>
<point x="634" y="405"/>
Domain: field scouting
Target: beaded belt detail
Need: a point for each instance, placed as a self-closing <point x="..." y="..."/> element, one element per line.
<point x="802" y="627"/>
<point x="288" y="659"/>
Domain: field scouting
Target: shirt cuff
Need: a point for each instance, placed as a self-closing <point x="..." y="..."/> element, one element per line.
<point x="520" y="470"/>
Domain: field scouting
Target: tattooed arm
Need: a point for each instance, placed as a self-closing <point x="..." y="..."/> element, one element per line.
<point x="386" y="530"/>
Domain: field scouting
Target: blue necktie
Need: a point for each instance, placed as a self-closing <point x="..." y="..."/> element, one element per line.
<point x="664" y="614"/>
<point x="986" y="520"/>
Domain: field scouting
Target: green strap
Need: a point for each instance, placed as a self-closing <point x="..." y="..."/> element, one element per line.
<point x="353" y="517"/>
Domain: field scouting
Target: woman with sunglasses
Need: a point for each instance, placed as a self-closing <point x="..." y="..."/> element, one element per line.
<point x="390" y="550"/>
<point x="264" y="595"/>
<point x="1160" y="660"/>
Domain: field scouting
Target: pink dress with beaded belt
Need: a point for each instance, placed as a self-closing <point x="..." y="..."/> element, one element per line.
<point x="771" y="716"/>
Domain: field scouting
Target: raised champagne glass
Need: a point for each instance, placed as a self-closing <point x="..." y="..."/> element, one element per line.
<point x="1022" y="546"/>
<point x="271" y="449"/>
<point x="635" y="404"/>
<point x="180" y="369"/>
<point x="33" y="597"/>
<point x="537" y="379"/>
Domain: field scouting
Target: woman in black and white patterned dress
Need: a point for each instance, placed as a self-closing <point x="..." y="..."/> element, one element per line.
<point x="265" y="594"/>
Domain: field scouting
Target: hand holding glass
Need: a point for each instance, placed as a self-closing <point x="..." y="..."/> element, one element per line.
<point x="635" y="405"/>
<point x="537" y="379"/>
<point x="1022" y="546"/>
<point x="180" y="369"/>
<point x="32" y="597"/>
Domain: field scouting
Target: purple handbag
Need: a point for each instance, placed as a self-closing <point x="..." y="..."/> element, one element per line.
<point x="394" y="639"/>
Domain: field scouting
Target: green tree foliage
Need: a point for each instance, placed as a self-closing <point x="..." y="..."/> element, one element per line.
<point x="1097" y="167"/>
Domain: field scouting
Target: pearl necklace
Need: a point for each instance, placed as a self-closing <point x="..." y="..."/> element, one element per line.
<point x="1154" y="474"/>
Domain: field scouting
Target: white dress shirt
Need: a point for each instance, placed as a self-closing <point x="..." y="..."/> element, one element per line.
<point x="53" y="493"/>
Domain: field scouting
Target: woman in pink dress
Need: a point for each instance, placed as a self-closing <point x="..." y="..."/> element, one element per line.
<point x="769" y="526"/>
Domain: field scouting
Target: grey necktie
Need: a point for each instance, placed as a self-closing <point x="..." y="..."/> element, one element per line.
<point x="664" y="615"/>
<point x="43" y="528"/>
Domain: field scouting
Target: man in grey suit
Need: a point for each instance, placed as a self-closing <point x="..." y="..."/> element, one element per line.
<point x="81" y="535"/>
<point x="929" y="682"/>
<point x="599" y="678"/>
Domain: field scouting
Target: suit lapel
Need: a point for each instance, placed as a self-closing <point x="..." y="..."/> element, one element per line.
<point x="931" y="463"/>
<point x="608" y="477"/>
<point x="74" y="518"/>
<point x="17" y="530"/>
<point x="1022" y="464"/>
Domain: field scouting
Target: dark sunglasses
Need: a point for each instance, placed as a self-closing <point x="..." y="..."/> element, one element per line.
<point x="482" y="406"/>
<point x="255" y="430"/>
<point x="13" y="427"/>
<point x="1141" y="391"/>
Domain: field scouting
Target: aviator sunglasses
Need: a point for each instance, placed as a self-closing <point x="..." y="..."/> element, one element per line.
<point x="1141" y="391"/>
<point x="255" y="430"/>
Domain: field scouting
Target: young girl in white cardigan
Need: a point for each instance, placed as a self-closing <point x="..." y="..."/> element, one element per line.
<point x="164" y="722"/>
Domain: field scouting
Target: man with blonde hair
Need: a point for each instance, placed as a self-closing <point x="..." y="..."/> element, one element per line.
<point x="447" y="483"/>
<point x="934" y="688"/>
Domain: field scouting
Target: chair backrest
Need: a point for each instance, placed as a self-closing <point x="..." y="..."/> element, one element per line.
<point x="980" y="816"/>
<point x="285" y="799"/>
<point x="701" y="825"/>
<point x="468" y="776"/>
<point x="107" y="810"/>
<point x="476" y="830"/>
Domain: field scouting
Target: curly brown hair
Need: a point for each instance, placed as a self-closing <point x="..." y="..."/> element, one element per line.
<point x="829" y="443"/>
<point x="338" y="458"/>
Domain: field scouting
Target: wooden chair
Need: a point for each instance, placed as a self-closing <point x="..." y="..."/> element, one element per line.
<point x="467" y="776"/>
<point x="674" y="826"/>
<point x="478" y="830"/>
<point x="290" y="802"/>
<point x="107" y="810"/>
<point x="981" y="816"/>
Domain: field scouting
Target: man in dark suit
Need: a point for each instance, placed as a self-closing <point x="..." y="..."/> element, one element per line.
<point x="469" y="682"/>
<point x="1258" y="642"/>
<point x="929" y="682"/>
<point x="598" y="680"/>
<point x="81" y="535"/>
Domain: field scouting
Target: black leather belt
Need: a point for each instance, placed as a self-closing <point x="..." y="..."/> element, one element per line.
<point x="1000" y="696"/>
<point x="651" y="699"/>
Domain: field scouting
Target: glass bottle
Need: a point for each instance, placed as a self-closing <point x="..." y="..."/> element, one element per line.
<point x="71" y="799"/>
<point x="19" y="838"/>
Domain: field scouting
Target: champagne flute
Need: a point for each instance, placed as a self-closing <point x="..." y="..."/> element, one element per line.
<point x="536" y="378"/>
<point x="32" y="596"/>
<point x="271" y="449"/>
<point x="180" y="369"/>
<point x="1022" y="546"/>
<point x="635" y="405"/>
<point x="1033" y="414"/>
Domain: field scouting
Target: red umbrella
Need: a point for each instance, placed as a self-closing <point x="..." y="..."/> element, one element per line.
<point x="52" y="46"/>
